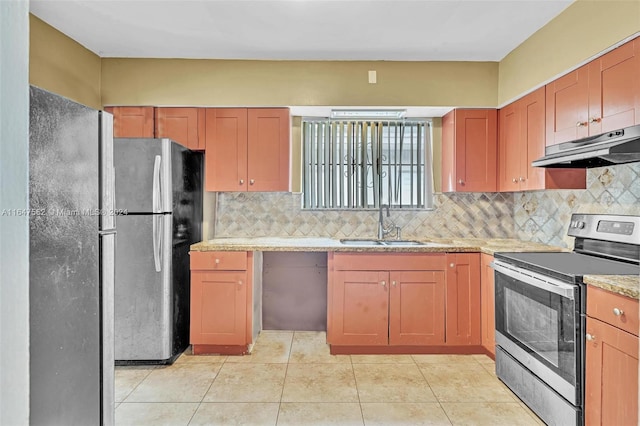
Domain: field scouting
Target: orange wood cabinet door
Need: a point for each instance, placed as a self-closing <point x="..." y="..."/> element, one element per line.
<point x="463" y="299"/>
<point x="359" y="308"/>
<point x="219" y="308"/>
<point x="611" y="380"/>
<point x="522" y="140"/>
<point x="470" y="151"/>
<point x="614" y="89"/>
<point x="226" y="149"/>
<point x="132" y="122"/>
<point x="183" y="125"/>
<point x="488" y="304"/>
<point x="416" y="308"/>
<point x="567" y="100"/>
<point x="268" y="149"/>
<point x="510" y="148"/>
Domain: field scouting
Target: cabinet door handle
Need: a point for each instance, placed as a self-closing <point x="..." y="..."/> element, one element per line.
<point x="581" y="123"/>
<point x="617" y="312"/>
<point x="251" y="182"/>
<point x="452" y="265"/>
<point x="383" y="283"/>
<point x="522" y="179"/>
<point x="514" y="180"/>
<point x="594" y="120"/>
<point x="460" y="181"/>
<point x="241" y="181"/>
<point x="590" y="337"/>
<point x="393" y="283"/>
<point x="217" y="261"/>
<point x="240" y="282"/>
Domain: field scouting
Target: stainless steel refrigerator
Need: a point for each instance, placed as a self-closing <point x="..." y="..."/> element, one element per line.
<point x="71" y="262"/>
<point x="159" y="187"/>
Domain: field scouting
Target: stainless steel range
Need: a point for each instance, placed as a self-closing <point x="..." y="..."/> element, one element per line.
<point x="540" y="312"/>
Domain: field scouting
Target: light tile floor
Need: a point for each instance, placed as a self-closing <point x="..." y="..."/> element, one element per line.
<point x="291" y="379"/>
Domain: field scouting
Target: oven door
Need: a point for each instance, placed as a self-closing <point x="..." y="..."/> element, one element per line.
<point x="537" y="322"/>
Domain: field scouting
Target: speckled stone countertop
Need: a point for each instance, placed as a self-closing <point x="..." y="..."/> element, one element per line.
<point x="432" y="245"/>
<point x="626" y="285"/>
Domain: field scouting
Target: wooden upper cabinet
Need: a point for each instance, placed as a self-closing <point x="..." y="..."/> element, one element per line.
<point x="183" y="125"/>
<point x="132" y="122"/>
<point x="226" y="149"/>
<point x="614" y="89"/>
<point x="247" y="149"/>
<point x="568" y="107"/>
<point x="463" y="319"/>
<point x="598" y="97"/>
<point x="268" y="149"/>
<point x="522" y="141"/>
<point x="469" y="150"/>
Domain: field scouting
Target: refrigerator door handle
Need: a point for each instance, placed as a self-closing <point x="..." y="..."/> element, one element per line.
<point x="157" y="241"/>
<point x="156" y="196"/>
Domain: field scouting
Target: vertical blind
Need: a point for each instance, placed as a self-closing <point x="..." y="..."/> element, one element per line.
<point x="363" y="164"/>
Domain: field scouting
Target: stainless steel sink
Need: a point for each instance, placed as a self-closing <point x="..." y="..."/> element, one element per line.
<point x="402" y="243"/>
<point x="360" y="242"/>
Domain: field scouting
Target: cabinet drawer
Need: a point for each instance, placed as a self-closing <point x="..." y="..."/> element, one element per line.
<point x="219" y="260"/>
<point x="601" y="305"/>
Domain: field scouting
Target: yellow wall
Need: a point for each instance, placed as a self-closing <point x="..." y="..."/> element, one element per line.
<point x="584" y="29"/>
<point x="281" y="83"/>
<point x="61" y="65"/>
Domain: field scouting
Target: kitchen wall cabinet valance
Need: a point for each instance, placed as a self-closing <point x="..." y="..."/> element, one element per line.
<point x="132" y="121"/>
<point x="185" y="125"/>
<point x="247" y="149"/>
<point x="600" y="96"/>
<point x="521" y="141"/>
<point x="469" y="150"/>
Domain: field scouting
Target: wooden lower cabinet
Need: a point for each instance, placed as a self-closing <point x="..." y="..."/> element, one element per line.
<point x="387" y="308"/>
<point x="488" y="304"/>
<point x="407" y="301"/>
<point x="221" y="302"/>
<point x="463" y="299"/>
<point x="611" y="373"/>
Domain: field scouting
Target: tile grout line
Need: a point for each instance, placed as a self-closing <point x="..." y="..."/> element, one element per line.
<point x="207" y="391"/>
<point x="135" y="387"/>
<point x="353" y="371"/>
<point x="434" y="394"/>
<point x="284" y="381"/>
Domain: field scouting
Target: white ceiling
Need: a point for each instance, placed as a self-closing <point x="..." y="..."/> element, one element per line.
<point x="413" y="30"/>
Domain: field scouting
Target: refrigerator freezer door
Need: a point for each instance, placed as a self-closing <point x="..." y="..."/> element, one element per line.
<point x="64" y="263"/>
<point x="143" y="296"/>
<point x="143" y="183"/>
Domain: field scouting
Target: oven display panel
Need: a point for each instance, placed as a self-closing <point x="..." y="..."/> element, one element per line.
<point x="611" y="227"/>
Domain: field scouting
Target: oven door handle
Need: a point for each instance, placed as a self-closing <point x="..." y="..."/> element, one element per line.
<point x="537" y="280"/>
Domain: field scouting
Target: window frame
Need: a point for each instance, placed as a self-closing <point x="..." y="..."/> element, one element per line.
<point x="425" y="185"/>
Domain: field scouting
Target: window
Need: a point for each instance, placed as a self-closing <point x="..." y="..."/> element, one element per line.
<point x="363" y="164"/>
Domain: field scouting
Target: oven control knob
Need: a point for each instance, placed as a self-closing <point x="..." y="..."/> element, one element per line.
<point x="580" y="224"/>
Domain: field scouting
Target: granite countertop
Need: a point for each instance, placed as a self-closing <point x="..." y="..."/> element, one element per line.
<point x="626" y="285"/>
<point x="432" y="245"/>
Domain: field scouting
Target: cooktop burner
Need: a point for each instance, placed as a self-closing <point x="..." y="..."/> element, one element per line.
<point x="569" y="264"/>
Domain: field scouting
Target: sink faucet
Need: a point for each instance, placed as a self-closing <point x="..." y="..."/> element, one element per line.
<point x="382" y="231"/>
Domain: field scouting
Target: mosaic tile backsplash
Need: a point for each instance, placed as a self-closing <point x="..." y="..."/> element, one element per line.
<point x="543" y="216"/>
<point x="482" y="215"/>
<point x="540" y="216"/>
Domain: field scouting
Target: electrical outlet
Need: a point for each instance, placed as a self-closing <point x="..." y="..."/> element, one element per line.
<point x="372" y="77"/>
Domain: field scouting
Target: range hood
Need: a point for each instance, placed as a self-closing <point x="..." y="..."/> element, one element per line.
<point x="611" y="148"/>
